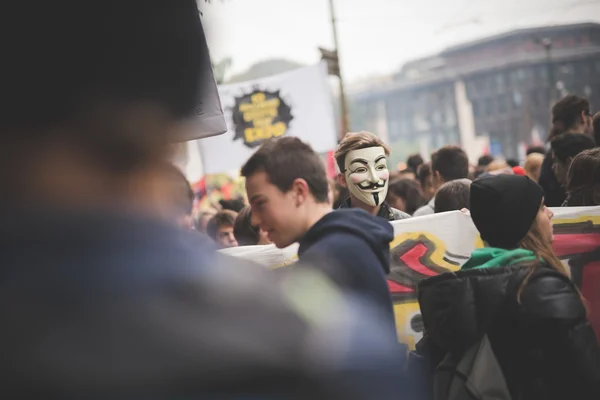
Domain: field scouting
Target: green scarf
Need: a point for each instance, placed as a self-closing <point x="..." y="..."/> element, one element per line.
<point x="488" y="257"/>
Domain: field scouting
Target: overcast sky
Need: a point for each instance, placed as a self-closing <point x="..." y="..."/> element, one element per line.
<point x="376" y="36"/>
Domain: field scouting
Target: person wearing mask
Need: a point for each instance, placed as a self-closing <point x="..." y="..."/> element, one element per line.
<point x="220" y="229"/>
<point x="362" y="160"/>
<point x="583" y="180"/>
<point x="288" y="191"/>
<point x="103" y="298"/>
<point x="569" y="115"/>
<point x="517" y="292"/>
<point x="564" y="148"/>
<point x="447" y="164"/>
<point x="247" y="234"/>
<point x="405" y="195"/>
<point x="453" y="196"/>
<point x="533" y="166"/>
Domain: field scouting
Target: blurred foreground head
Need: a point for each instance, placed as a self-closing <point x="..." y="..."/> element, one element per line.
<point x="91" y="96"/>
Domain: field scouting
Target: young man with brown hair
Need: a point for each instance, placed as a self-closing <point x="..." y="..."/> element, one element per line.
<point x="287" y="187"/>
<point x="220" y="229"/>
<point x="447" y="164"/>
<point x="362" y="160"/>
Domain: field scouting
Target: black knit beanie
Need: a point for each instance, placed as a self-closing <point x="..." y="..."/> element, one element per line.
<point x="504" y="207"/>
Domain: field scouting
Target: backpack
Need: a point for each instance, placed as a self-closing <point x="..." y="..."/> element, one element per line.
<point x="472" y="375"/>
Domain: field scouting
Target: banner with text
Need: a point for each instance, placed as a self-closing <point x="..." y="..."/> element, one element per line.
<point x="430" y="245"/>
<point x="296" y="103"/>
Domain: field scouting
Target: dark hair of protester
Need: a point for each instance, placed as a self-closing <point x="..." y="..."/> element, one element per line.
<point x="236" y="205"/>
<point x="596" y="123"/>
<point x="536" y="149"/>
<point x="512" y="162"/>
<point x="424" y="173"/>
<point x="221" y="219"/>
<point x="583" y="179"/>
<point x="485" y="160"/>
<point x="286" y="159"/>
<point x="342" y="194"/>
<point x="414" y="161"/>
<point x="357" y="141"/>
<point x="453" y="195"/>
<point x="567" y="114"/>
<point x="244" y="232"/>
<point x="451" y="162"/>
<point x="410" y="195"/>
<point x="182" y="191"/>
<point x="568" y="145"/>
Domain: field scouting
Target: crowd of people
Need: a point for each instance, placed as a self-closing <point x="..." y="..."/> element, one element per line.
<point x="113" y="289"/>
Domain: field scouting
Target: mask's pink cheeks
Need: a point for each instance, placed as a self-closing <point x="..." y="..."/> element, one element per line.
<point x="383" y="175"/>
<point x="357" y="178"/>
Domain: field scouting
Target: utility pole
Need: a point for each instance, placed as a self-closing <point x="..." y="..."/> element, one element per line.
<point x="334" y="59"/>
<point x="547" y="43"/>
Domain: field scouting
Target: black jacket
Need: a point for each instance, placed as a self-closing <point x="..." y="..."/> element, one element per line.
<point x="545" y="345"/>
<point x="353" y="248"/>
<point x="554" y="193"/>
<point x="117" y="306"/>
<point x="385" y="211"/>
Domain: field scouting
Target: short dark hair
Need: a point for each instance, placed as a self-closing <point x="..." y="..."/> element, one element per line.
<point x="221" y="219"/>
<point x="566" y="112"/>
<point x="535" y="149"/>
<point x="286" y="159"/>
<point x="410" y="191"/>
<point x="568" y="145"/>
<point x="182" y="192"/>
<point x="485" y="160"/>
<point x="451" y="162"/>
<point x="244" y="232"/>
<point x="414" y="161"/>
<point x="512" y="162"/>
<point x="236" y="205"/>
<point x="583" y="179"/>
<point x="453" y="195"/>
<point x="424" y="173"/>
<point x="357" y="141"/>
<point x="596" y="124"/>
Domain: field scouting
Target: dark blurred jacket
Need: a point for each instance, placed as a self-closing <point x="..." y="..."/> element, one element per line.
<point x="554" y="193"/>
<point x="385" y="211"/>
<point x="121" y="306"/>
<point x="545" y="345"/>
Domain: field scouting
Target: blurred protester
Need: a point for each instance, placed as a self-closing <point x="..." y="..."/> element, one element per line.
<point x="286" y="183"/>
<point x="447" y="164"/>
<point x="533" y="165"/>
<point x="362" y="160"/>
<point x="177" y="196"/>
<point x="485" y="160"/>
<point x="425" y="178"/>
<point x="535" y="149"/>
<point x="235" y="205"/>
<point x="220" y="229"/>
<point x="247" y="234"/>
<point x="453" y="195"/>
<point x="201" y="220"/>
<point x="512" y="162"/>
<point x="569" y="115"/>
<point x="583" y="180"/>
<point x="405" y="195"/>
<point x="413" y="162"/>
<point x="564" y="148"/>
<point x="406" y="174"/>
<point x="518" y="293"/>
<point x="497" y="165"/>
<point x="102" y="297"/>
<point x="596" y="124"/>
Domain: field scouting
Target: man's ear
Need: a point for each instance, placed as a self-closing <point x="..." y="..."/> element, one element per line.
<point x="341" y="178"/>
<point x="301" y="191"/>
<point x="437" y="178"/>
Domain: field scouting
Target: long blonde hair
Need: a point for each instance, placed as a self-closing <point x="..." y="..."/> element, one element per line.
<point x="539" y="245"/>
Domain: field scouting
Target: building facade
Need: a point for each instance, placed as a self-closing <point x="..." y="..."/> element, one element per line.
<point x="510" y="81"/>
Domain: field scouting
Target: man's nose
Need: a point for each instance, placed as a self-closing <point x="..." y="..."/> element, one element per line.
<point x="373" y="175"/>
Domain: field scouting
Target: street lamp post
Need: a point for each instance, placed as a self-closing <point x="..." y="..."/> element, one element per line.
<point x="344" y="128"/>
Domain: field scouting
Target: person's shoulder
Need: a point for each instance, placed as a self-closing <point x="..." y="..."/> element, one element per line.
<point x="551" y="294"/>
<point x="424" y="210"/>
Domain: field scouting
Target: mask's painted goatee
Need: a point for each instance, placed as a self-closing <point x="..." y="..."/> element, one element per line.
<point x="376" y="197"/>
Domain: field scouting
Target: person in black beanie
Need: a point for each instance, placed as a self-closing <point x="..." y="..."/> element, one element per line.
<point x="517" y="292"/>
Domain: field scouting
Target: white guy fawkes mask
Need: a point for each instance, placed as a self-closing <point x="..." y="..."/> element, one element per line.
<point x="367" y="175"/>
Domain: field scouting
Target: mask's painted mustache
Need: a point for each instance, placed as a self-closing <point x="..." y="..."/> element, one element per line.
<point x="372" y="186"/>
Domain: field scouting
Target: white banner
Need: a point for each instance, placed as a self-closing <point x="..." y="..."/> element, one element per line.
<point x="430" y="245"/>
<point x="296" y="103"/>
